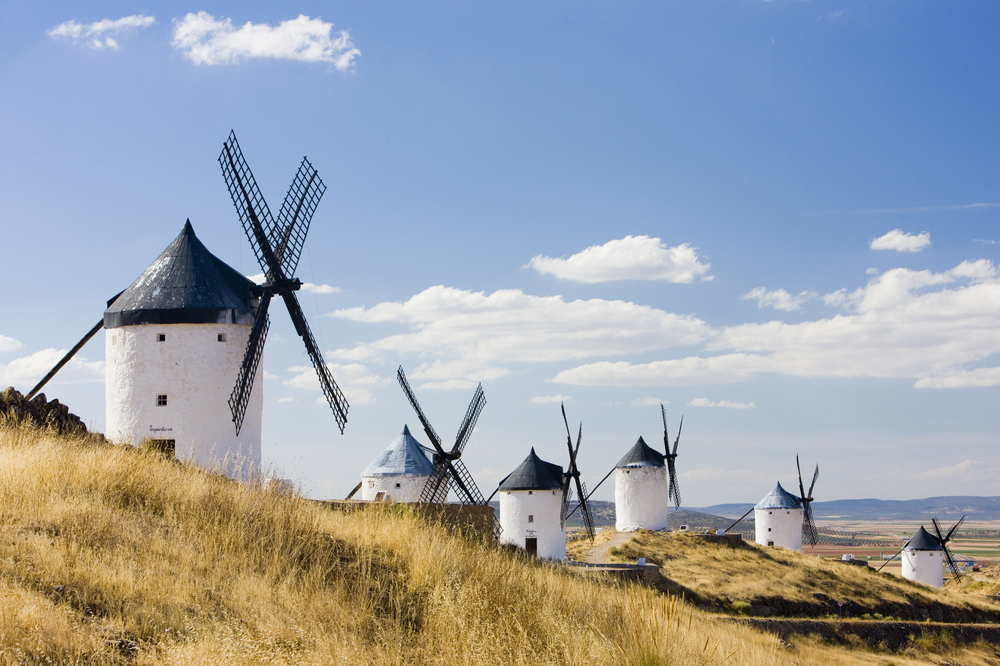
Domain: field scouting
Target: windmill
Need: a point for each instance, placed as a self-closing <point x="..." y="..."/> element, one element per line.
<point x="449" y="470"/>
<point x="808" y="525"/>
<point x="572" y="476"/>
<point x="277" y="245"/>
<point x="673" y="490"/>
<point x="943" y="540"/>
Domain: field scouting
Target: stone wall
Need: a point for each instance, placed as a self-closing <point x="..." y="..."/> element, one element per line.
<point x="40" y="412"/>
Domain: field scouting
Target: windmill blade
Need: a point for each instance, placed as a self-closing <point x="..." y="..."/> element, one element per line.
<point x="678" y="440"/>
<point x="567" y="493"/>
<point x="240" y="396"/>
<point x="334" y="396"/>
<point x="436" y="489"/>
<point x="433" y="436"/>
<point x="937" y="530"/>
<point x="463" y="484"/>
<point x="469" y="422"/>
<point x="674" y="490"/>
<point x="588" y="518"/>
<point x="813" y="484"/>
<point x="65" y="359"/>
<point x="251" y="206"/>
<point x="809" y="526"/>
<point x="951" y="562"/>
<point x="666" y="435"/>
<point x="579" y="436"/>
<point x="952" y="530"/>
<point x="295" y="214"/>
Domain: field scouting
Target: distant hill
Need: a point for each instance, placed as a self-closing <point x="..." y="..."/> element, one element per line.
<point x="975" y="508"/>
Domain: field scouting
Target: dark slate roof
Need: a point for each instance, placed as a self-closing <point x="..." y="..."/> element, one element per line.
<point x="534" y="474"/>
<point x="779" y="498"/>
<point x="404" y="456"/>
<point x="922" y="540"/>
<point x="641" y="455"/>
<point x="186" y="284"/>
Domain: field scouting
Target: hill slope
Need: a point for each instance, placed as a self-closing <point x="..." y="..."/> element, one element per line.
<point x="111" y="554"/>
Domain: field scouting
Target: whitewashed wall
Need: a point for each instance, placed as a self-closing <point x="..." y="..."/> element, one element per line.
<point x="924" y="566"/>
<point x="197" y="374"/>
<point x="545" y="506"/>
<point x="410" y="487"/>
<point x="782" y="526"/>
<point x="641" y="499"/>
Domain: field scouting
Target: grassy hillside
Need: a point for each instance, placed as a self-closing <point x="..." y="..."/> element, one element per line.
<point x="750" y="580"/>
<point x="111" y="554"/>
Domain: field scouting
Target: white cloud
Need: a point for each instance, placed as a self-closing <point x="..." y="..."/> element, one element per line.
<point x="871" y="271"/>
<point x="268" y="375"/>
<point x="647" y="401"/>
<point x="9" y="344"/>
<point x="354" y="379"/>
<point x="965" y="472"/>
<point x="27" y="370"/>
<point x="259" y="278"/>
<point x="925" y="326"/>
<point x="205" y="40"/>
<point x="548" y="399"/>
<point x="360" y="352"/>
<point x="319" y="288"/>
<point x="95" y="34"/>
<point x="286" y="399"/>
<point x="705" y="402"/>
<point x="471" y="335"/>
<point x="900" y="241"/>
<point x="631" y="258"/>
<point x="779" y="299"/>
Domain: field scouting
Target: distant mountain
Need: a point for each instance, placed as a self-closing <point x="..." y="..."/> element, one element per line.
<point x="975" y="508"/>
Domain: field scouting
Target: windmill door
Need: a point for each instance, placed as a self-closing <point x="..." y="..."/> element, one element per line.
<point x="531" y="546"/>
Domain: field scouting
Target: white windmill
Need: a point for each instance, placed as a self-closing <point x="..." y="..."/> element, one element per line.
<point x="778" y="520"/>
<point x="190" y="327"/>
<point x="399" y="473"/>
<point x="531" y="508"/>
<point x="924" y="556"/>
<point x="641" y="490"/>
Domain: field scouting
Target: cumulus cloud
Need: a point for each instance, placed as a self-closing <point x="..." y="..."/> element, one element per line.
<point x="548" y="399"/>
<point x="473" y="335"/>
<point x="630" y="258"/>
<point x="900" y="241"/>
<point x="648" y="400"/>
<point x="725" y="404"/>
<point x="931" y="327"/>
<point x="9" y="344"/>
<point x="206" y="40"/>
<point x="779" y="299"/>
<point x="27" y="370"/>
<point x="96" y="35"/>
<point x="354" y="379"/>
<point x="319" y="288"/>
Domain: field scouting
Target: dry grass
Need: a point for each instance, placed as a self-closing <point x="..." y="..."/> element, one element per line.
<point x="754" y="580"/>
<point x="115" y="555"/>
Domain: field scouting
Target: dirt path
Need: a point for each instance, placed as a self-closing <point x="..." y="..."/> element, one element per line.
<point x="599" y="553"/>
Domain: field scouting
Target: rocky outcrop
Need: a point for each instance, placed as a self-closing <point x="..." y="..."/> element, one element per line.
<point x="40" y="412"/>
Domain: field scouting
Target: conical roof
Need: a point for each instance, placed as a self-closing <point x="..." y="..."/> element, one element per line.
<point x="641" y="455"/>
<point x="923" y="540"/>
<point x="186" y="284"/>
<point x="779" y="498"/>
<point x="534" y="474"/>
<point x="404" y="456"/>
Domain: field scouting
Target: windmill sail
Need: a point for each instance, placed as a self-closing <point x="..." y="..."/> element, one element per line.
<point x="673" y="488"/>
<point x="943" y="540"/>
<point x="277" y="246"/>
<point x="573" y="476"/>
<point x="808" y="524"/>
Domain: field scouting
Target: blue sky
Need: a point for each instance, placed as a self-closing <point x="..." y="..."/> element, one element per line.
<point x="779" y="218"/>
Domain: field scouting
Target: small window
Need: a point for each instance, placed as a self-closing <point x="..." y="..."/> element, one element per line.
<point x="768" y="529"/>
<point x="161" y="337"/>
<point x="161" y="400"/>
<point x="222" y="337"/>
<point x="770" y="543"/>
<point x="529" y="492"/>
<point x="397" y="485"/>
<point x="531" y="518"/>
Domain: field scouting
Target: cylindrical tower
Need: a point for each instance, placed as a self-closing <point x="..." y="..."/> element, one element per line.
<point x="923" y="559"/>
<point x="778" y="520"/>
<point x="175" y="341"/>
<point x="641" y="490"/>
<point x="399" y="473"/>
<point x="531" y="508"/>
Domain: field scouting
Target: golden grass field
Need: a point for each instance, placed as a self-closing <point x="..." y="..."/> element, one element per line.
<point x="115" y="555"/>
